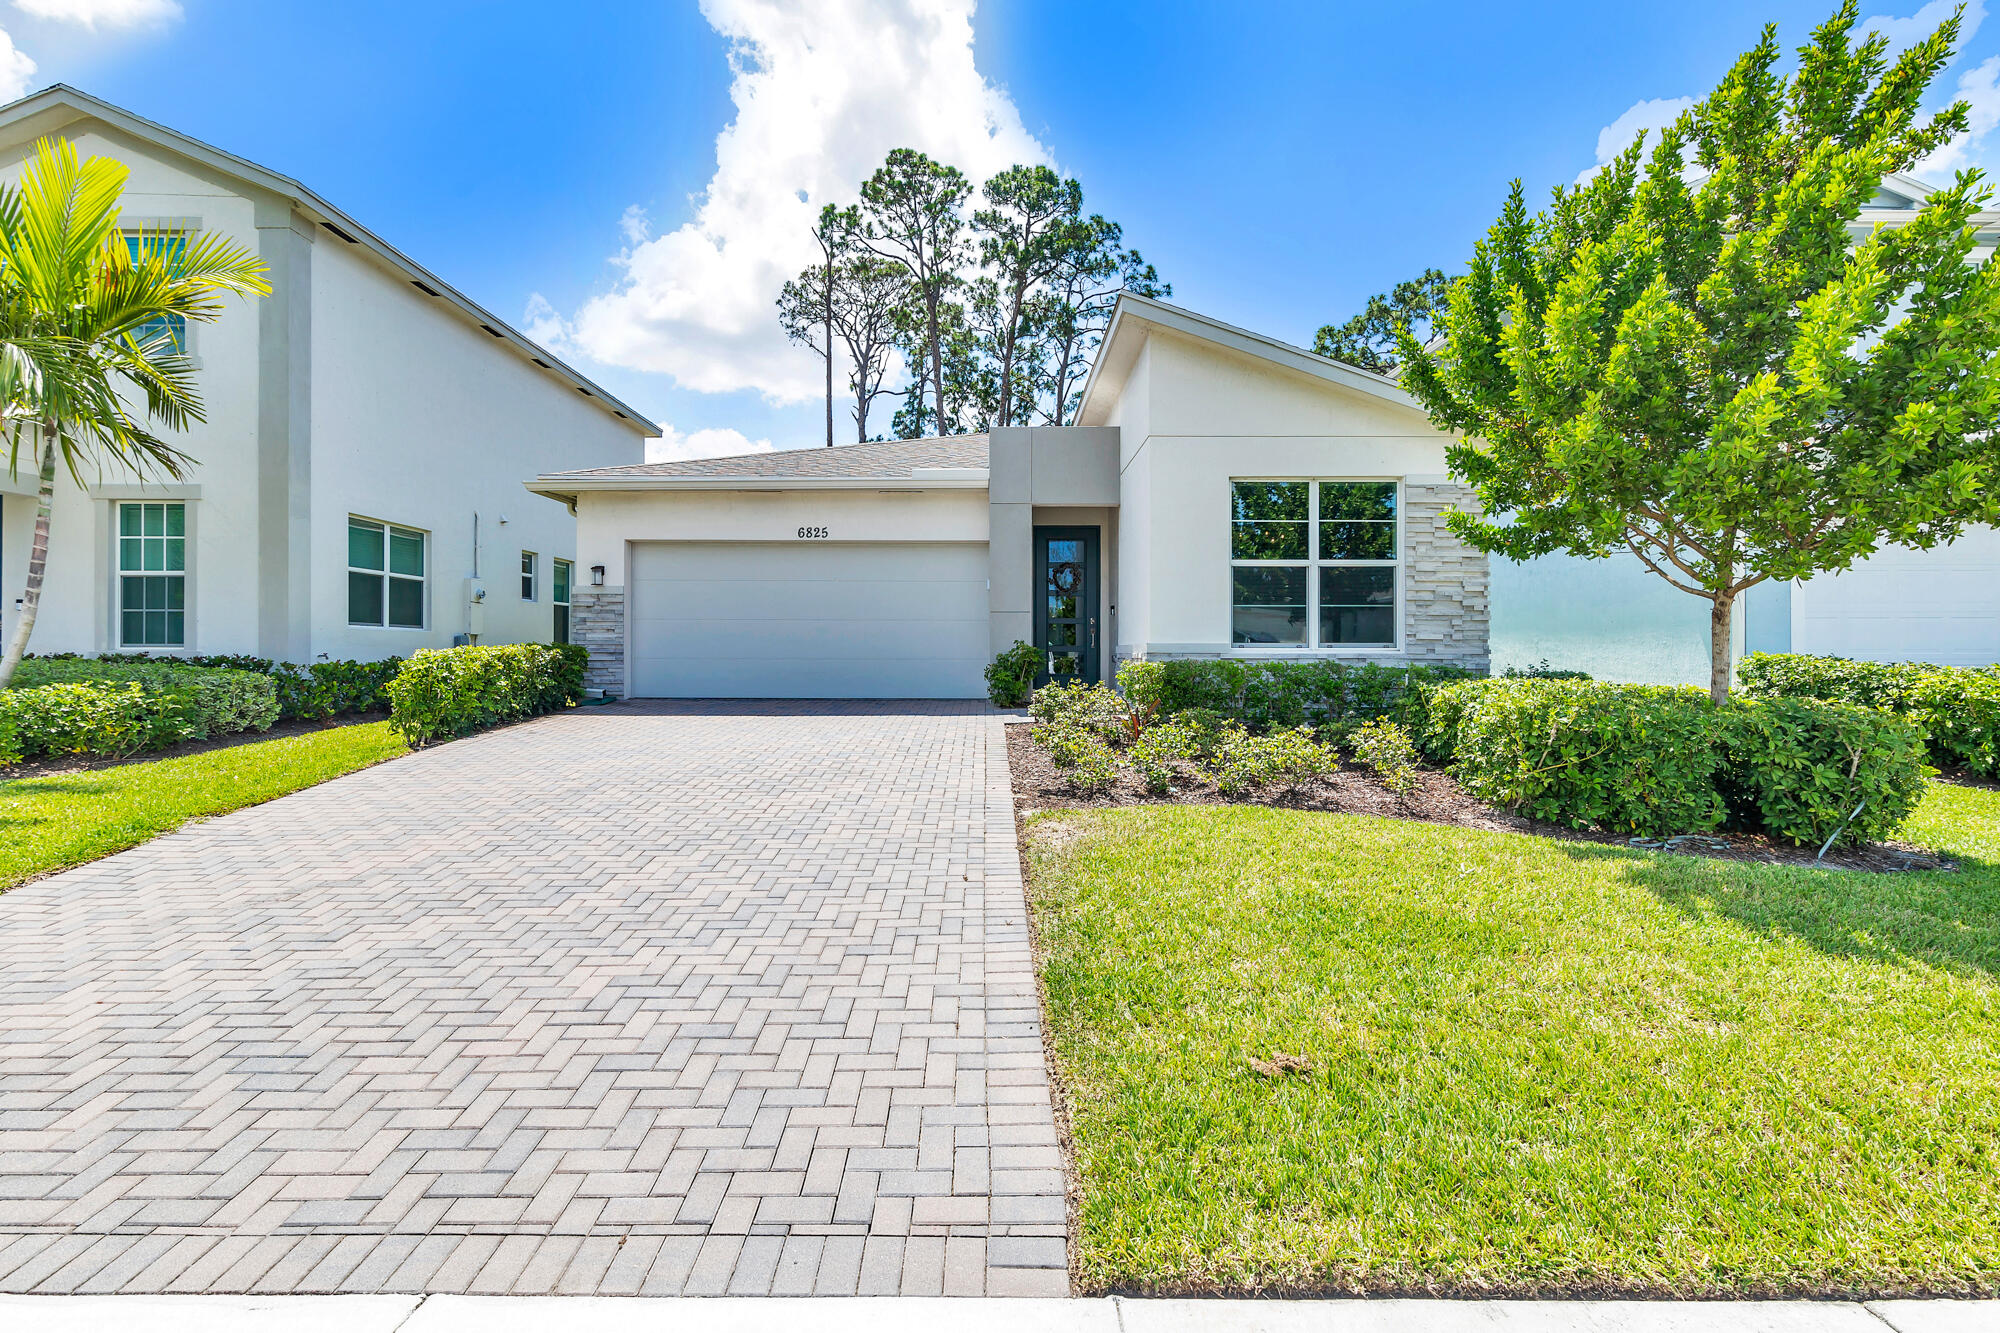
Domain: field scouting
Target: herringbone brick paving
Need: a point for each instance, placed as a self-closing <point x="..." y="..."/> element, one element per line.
<point x="650" y="998"/>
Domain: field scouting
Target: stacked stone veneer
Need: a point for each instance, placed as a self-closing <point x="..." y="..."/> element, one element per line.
<point x="597" y="622"/>
<point x="1445" y="616"/>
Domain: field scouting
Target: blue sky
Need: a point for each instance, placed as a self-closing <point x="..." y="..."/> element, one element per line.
<point x="562" y="165"/>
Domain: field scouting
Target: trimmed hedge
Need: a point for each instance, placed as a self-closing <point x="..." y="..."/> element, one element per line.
<point x="1333" y="698"/>
<point x="309" y="692"/>
<point x="117" y="708"/>
<point x="1958" y="707"/>
<point x="450" y="691"/>
<point x="1657" y="760"/>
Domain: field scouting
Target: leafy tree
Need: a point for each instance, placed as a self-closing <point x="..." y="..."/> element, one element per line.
<point x="1030" y="222"/>
<point x="912" y="215"/>
<point x="1093" y="270"/>
<point x="1693" y="360"/>
<point x="868" y="290"/>
<point x="1369" y="339"/>
<point x="89" y="325"/>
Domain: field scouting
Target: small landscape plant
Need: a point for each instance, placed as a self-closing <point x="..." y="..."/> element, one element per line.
<point x="1386" y="747"/>
<point x="1010" y="677"/>
<point x="1084" y="758"/>
<point x="1159" y="746"/>
<point x="1290" y="758"/>
<point x="1094" y="707"/>
<point x="443" y="692"/>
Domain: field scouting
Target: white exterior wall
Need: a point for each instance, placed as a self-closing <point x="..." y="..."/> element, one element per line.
<point x="404" y="411"/>
<point x="1213" y="416"/>
<point x="422" y="420"/>
<point x="77" y="607"/>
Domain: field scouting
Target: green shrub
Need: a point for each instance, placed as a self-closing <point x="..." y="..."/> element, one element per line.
<point x="1331" y="697"/>
<point x="1010" y="677"/>
<point x="1078" y="752"/>
<point x="107" y="718"/>
<point x="1957" y="707"/>
<point x="194" y="702"/>
<point x="1798" y="768"/>
<point x="1387" y="748"/>
<point x="1290" y="758"/>
<point x="450" y="691"/>
<point x="323" y="690"/>
<point x="1636" y="759"/>
<point x="1159" y="745"/>
<point x="1095" y="707"/>
<point x="1542" y="671"/>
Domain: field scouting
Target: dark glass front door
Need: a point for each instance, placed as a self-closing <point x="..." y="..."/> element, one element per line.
<point x="1066" y="603"/>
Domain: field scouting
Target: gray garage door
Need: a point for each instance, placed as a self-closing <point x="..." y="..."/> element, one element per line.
<point x="809" y="620"/>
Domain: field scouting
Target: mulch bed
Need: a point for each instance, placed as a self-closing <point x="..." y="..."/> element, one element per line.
<point x="1040" y="785"/>
<point x="81" y="763"/>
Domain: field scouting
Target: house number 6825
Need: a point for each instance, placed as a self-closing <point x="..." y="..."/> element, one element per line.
<point x="812" y="532"/>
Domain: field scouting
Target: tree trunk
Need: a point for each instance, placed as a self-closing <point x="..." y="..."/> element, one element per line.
<point x="1720" y="665"/>
<point x="1007" y="358"/>
<point x="937" y="364"/>
<point x="38" y="559"/>
<point x="826" y="293"/>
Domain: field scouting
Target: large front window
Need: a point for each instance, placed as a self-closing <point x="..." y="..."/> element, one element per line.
<point x="385" y="575"/>
<point x="1313" y="564"/>
<point x="560" y="573"/>
<point x="152" y="575"/>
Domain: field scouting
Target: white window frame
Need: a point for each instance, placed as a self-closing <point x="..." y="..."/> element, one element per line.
<point x="531" y="576"/>
<point x="185" y="573"/>
<point x="423" y="581"/>
<point x="1312" y="565"/>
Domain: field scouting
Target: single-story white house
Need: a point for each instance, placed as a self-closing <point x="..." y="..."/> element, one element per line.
<point x="1223" y="495"/>
<point x="357" y="492"/>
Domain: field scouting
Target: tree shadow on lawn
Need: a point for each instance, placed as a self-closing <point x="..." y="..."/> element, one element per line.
<point x="1949" y="920"/>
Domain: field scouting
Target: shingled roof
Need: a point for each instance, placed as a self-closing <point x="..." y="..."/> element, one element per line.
<point x="881" y="460"/>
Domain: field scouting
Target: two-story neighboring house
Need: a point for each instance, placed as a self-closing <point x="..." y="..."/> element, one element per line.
<point x="357" y="490"/>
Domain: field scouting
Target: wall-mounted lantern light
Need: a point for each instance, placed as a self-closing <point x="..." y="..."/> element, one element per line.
<point x="597" y="576"/>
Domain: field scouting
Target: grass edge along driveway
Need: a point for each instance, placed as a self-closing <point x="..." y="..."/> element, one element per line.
<point x="1537" y="1067"/>
<point x="65" y="819"/>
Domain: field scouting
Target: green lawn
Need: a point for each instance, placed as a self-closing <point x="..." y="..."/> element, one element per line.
<point x="1538" y="1066"/>
<point x="52" y="822"/>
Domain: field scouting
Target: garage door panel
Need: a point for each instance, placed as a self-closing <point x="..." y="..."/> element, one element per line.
<point x="807" y="599"/>
<point x="1941" y="605"/>
<point x="784" y="620"/>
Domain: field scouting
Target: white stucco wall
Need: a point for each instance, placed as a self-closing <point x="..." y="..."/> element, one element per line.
<point x="413" y="415"/>
<point x="422" y="420"/>
<point x="76" y="609"/>
<point x="1211" y="416"/>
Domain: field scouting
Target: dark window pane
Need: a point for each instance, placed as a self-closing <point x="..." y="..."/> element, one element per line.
<point x="406" y="552"/>
<point x="406" y="603"/>
<point x="1357" y="499"/>
<point x="561" y="589"/>
<point x="129" y="551"/>
<point x="1268" y="624"/>
<point x="1062" y="608"/>
<point x="1063" y="665"/>
<point x="1065" y="578"/>
<point x="1367" y="586"/>
<point x="1062" y="635"/>
<point x="1067" y="549"/>
<point x="1263" y="501"/>
<point x="1276" y="586"/>
<point x="1357" y="624"/>
<point x="156" y="520"/>
<point x="562" y="624"/>
<point x="129" y="519"/>
<point x="364" y="546"/>
<point x="176" y="629"/>
<point x="176" y="593"/>
<point x="176" y="548"/>
<point x="177" y="520"/>
<point x="134" y="626"/>
<point x="1268" y="541"/>
<point x="364" y="599"/>
<point x="1357" y="541"/>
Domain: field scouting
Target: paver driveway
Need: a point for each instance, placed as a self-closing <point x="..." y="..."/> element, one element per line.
<point x="646" y="998"/>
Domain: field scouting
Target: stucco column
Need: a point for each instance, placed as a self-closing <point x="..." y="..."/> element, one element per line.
<point x="1010" y="541"/>
<point x="284" y="436"/>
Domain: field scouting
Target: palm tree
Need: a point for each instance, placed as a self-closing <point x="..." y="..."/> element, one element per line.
<point x="90" y="322"/>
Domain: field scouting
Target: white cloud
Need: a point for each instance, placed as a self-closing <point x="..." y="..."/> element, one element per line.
<point x="1979" y="89"/>
<point x="1652" y="114"/>
<point x="94" y="14"/>
<point x="16" y="70"/>
<point x="672" y="446"/>
<point x="1903" y="32"/>
<point x="823" y="90"/>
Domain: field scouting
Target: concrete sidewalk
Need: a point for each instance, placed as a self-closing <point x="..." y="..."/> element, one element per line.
<point x="613" y="1314"/>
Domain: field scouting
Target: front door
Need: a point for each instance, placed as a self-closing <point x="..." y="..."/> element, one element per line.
<point x="1066" y="603"/>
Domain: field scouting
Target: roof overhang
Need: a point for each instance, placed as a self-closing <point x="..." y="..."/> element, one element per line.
<point x="567" y="488"/>
<point x="1133" y="316"/>
<point x="49" y="110"/>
